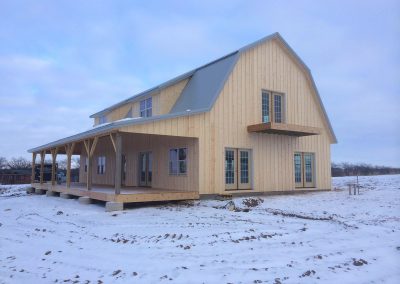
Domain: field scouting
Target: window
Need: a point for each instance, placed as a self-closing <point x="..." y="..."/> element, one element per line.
<point x="101" y="165"/>
<point x="265" y="107"/>
<point x="86" y="163"/>
<point x="244" y="167"/>
<point x="272" y="107"/>
<point x="237" y="169"/>
<point x="304" y="168"/>
<point x="146" y="107"/>
<point x="297" y="168"/>
<point x="178" y="161"/>
<point x="229" y="167"/>
<point x="308" y="171"/>
<point x="102" y="119"/>
<point x="278" y="108"/>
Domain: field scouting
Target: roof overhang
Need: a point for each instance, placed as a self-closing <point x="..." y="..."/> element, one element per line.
<point x="107" y="128"/>
<point x="284" y="129"/>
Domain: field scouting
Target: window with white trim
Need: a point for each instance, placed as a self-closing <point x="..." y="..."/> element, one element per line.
<point x="178" y="161"/>
<point x="278" y="108"/>
<point x="304" y="169"/>
<point x="272" y="107"/>
<point x="101" y="165"/>
<point x="265" y="107"/>
<point x="102" y="119"/>
<point x="146" y="107"/>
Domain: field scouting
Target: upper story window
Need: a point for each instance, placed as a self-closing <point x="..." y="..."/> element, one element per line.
<point x="272" y="107"/>
<point x="102" y="119"/>
<point x="146" y="107"/>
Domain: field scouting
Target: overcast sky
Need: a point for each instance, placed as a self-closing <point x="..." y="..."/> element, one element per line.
<point x="61" y="61"/>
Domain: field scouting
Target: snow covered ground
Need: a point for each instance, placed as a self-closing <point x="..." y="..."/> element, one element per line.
<point x="327" y="237"/>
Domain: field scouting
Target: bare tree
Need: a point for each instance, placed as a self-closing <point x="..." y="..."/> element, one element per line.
<point x="62" y="164"/>
<point x="19" y="163"/>
<point x="3" y="163"/>
<point x="76" y="163"/>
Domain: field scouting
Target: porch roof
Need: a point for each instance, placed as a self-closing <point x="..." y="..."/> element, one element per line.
<point x="110" y="127"/>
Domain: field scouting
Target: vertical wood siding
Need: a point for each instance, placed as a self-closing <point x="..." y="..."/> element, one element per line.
<point x="132" y="145"/>
<point x="267" y="66"/>
<point x="163" y="101"/>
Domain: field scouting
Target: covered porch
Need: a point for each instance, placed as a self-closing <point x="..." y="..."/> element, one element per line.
<point x="127" y="194"/>
<point x="123" y="167"/>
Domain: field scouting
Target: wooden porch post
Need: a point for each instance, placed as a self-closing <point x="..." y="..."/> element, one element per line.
<point x="118" y="162"/>
<point x="33" y="167"/>
<point x="42" y="156"/>
<point x="69" y="149"/>
<point x="90" y="147"/>
<point x="53" y="165"/>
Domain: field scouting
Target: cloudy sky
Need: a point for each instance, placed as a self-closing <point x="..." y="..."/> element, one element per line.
<point x="61" y="61"/>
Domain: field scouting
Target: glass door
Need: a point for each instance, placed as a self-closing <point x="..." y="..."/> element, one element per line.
<point x="298" y="170"/>
<point x="304" y="169"/>
<point x="244" y="169"/>
<point x="145" y="168"/>
<point x="230" y="169"/>
<point x="309" y="170"/>
<point x="237" y="169"/>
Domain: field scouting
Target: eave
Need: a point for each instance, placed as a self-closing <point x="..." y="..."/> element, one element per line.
<point x="284" y="129"/>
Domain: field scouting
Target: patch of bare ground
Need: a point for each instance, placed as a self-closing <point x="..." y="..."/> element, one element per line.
<point x="330" y="218"/>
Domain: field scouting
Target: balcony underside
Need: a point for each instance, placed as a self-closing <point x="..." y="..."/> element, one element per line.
<point x="284" y="129"/>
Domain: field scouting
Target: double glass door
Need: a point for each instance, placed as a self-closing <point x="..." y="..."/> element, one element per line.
<point x="145" y="168"/>
<point x="304" y="169"/>
<point x="237" y="169"/>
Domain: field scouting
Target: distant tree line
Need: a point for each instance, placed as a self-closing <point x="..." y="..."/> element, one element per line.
<point x="338" y="169"/>
<point x="21" y="163"/>
<point x="361" y="169"/>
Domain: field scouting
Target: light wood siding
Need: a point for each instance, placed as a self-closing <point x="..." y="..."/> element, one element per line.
<point x="132" y="145"/>
<point x="163" y="101"/>
<point x="168" y="96"/>
<point x="267" y="66"/>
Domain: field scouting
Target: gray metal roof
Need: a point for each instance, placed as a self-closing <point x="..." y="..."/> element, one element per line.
<point x="205" y="85"/>
<point x="109" y="127"/>
<point x="216" y="68"/>
<point x="199" y="95"/>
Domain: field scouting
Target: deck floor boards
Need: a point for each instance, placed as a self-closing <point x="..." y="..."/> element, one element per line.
<point x="127" y="195"/>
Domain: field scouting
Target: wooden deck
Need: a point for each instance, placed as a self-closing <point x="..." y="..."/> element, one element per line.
<point x="128" y="194"/>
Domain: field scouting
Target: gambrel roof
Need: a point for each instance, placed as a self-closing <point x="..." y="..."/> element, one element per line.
<point x="199" y="95"/>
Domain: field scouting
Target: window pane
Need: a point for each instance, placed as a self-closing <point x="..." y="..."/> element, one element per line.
<point x="265" y="107"/>
<point x="229" y="167"/>
<point x="182" y="154"/>
<point x="148" y="112"/>
<point x="149" y="103"/>
<point x="173" y="168"/>
<point x="308" y="167"/>
<point x="173" y="154"/>
<point x="182" y="167"/>
<point x="142" y="113"/>
<point x="297" y="168"/>
<point x="173" y="161"/>
<point x="244" y="167"/>
<point x="278" y="108"/>
<point x="142" y="105"/>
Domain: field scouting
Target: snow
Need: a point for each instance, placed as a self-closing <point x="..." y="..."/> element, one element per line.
<point x="322" y="237"/>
